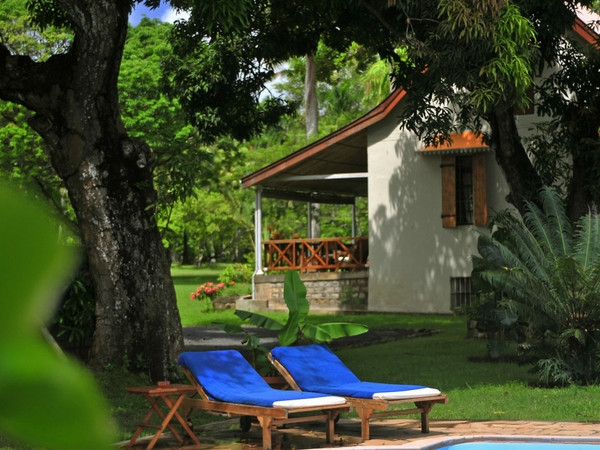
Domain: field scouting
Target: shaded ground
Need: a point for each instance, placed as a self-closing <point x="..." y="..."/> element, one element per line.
<point x="213" y="338"/>
<point x="389" y="434"/>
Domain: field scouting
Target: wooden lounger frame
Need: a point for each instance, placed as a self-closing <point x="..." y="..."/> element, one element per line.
<point x="268" y="417"/>
<point x="369" y="409"/>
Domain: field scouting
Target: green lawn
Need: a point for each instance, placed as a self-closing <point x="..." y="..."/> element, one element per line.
<point x="477" y="389"/>
<point x="186" y="280"/>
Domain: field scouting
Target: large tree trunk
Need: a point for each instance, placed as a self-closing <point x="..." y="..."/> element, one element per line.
<point x="584" y="128"/>
<point x="520" y="174"/>
<point x="108" y="177"/>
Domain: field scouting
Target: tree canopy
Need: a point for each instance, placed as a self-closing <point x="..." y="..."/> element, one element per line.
<point x="480" y="57"/>
<point x="467" y="64"/>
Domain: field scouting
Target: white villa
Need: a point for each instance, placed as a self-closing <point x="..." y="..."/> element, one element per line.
<point x="425" y="207"/>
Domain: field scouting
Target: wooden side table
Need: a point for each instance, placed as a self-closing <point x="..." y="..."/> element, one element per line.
<point x="165" y="402"/>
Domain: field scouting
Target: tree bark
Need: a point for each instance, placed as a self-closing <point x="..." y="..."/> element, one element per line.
<point x="109" y="180"/>
<point x="584" y="128"/>
<point x="523" y="181"/>
<point x="311" y="104"/>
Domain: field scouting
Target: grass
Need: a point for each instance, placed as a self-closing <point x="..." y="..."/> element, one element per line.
<point x="186" y="280"/>
<point x="478" y="389"/>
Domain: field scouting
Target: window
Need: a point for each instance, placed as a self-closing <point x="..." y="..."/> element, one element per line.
<point x="463" y="190"/>
<point x="460" y="292"/>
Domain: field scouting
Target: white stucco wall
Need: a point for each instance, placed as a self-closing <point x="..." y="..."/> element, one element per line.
<point x="412" y="257"/>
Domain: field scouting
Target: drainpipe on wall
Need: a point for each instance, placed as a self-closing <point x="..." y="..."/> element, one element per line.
<point x="258" y="269"/>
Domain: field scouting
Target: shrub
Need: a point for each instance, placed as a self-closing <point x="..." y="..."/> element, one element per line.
<point x="75" y="321"/>
<point x="238" y="273"/>
<point x="550" y="272"/>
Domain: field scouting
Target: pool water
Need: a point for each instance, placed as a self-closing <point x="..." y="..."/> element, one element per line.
<point x="518" y="446"/>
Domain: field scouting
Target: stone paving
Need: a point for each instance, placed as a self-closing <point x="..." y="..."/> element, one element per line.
<point x="399" y="434"/>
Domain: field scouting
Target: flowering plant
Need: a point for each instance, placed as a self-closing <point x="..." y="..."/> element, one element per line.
<point x="208" y="291"/>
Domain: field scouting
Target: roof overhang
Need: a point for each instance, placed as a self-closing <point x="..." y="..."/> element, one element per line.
<point x="465" y="143"/>
<point x="333" y="168"/>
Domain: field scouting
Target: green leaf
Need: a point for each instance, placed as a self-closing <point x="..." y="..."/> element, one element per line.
<point x="43" y="393"/>
<point x="34" y="262"/>
<point x="325" y="332"/>
<point x="294" y="293"/>
<point x="259" y="320"/>
<point x="289" y="334"/>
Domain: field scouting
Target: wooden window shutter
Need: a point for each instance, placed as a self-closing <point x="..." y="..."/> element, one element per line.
<point x="479" y="190"/>
<point x="448" y="191"/>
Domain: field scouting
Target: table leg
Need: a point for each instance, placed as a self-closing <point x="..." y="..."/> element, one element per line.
<point x="167" y="419"/>
<point x="173" y="411"/>
<point x="182" y="421"/>
<point x="141" y="427"/>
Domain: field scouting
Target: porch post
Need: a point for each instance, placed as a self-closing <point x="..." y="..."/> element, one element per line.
<point x="309" y="220"/>
<point x="354" y="219"/>
<point x="258" y="266"/>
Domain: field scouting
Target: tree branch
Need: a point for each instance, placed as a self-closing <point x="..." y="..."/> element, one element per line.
<point x="382" y="19"/>
<point x="22" y="79"/>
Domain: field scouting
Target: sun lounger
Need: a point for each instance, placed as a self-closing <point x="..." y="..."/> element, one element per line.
<point x="316" y="368"/>
<point x="228" y="384"/>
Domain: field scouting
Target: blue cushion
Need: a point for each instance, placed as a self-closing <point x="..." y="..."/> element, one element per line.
<point x="316" y="368"/>
<point x="227" y="376"/>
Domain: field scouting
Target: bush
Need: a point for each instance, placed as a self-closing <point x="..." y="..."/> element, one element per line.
<point x="238" y="273"/>
<point x="75" y="321"/>
<point x="549" y="271"/>
<point x="237" y="290"/>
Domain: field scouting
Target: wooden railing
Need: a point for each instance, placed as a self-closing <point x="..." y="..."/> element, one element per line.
<point x="313" y="255"/>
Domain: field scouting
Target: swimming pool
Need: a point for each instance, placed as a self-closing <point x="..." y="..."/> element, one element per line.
<point x="495" y="442"/>
<point x="504" y="442"/>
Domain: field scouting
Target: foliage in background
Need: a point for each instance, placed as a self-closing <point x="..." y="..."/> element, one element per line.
<point x="23" y="159"/>
<point x="237" y="273"/>
<point x="38" y="385"/>
<point x="73" y="324"/>
<point x="208" y="228"/>
<point x="497" y="319"/>
<point x="341" y="85"/>
<point x="182" y="161"/>
<point x="549" y="272"/>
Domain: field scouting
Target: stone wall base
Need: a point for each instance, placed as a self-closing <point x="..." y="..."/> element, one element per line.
<point x="327" y="292"/>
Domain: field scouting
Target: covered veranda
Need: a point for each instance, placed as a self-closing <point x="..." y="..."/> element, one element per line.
<point x="324" y="172"/>
<point x="331" y="170"/>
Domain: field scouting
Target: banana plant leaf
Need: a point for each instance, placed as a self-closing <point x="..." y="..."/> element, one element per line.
<point x="325" y="332"/>
<point x="289" y="333"/>
<point x="259" y="320"/>
<point x="294" y="293"/>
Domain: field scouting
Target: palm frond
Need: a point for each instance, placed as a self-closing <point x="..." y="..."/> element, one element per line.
<point x="558" y="221"/>
<point x="525" y="249"/>
<point x="587" y="240"/>
<point x="550" y="225"/>
<point x="551" y="275"/>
